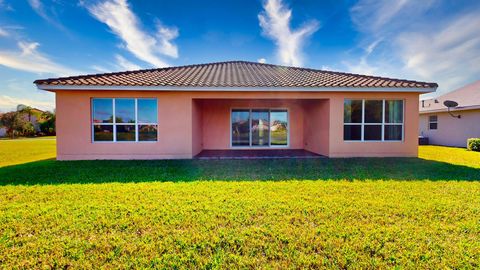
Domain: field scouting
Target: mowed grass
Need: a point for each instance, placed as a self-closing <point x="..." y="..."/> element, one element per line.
<point x="323" y="213"/>
<point x="24" y="150"/>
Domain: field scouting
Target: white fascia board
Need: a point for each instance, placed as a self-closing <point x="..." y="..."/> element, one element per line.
<point x="466" y="108"/>
<point x="235" y="89"/>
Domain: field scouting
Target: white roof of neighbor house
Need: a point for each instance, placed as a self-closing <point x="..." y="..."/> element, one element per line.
<point x="467" y="97"/>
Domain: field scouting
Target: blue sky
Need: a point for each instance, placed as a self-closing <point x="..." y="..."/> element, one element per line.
<point x="429" y="40"/>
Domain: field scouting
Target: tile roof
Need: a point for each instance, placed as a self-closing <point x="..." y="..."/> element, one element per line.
<point x="467" y="97"/>
<point x="233" y="74"/>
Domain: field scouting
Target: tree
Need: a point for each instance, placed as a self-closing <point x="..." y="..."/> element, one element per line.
<point x="14" y="123"/>
<point x="47" y="125"/>
<point x="25" y="109"/>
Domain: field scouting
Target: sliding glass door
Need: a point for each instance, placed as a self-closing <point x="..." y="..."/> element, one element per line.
<point x="259" y="128"/>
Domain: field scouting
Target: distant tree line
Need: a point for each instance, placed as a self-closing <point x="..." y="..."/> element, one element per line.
<point x="27" y="121"/>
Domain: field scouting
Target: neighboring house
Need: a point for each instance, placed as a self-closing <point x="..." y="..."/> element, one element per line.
<point x="34" y="118"/>
<point x="442" y="128"/>
<point x="177" y="112"/>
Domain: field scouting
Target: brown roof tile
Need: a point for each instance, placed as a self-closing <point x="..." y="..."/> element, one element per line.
<point x="234" y="74"/>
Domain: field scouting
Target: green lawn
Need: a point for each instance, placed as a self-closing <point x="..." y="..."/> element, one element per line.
<point x="335" y="213"/>
<point x="24" y="150"/>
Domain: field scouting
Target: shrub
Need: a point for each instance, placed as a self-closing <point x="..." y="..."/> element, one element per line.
<point x="473" y="144"/>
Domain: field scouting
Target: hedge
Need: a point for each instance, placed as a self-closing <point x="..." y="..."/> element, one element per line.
<point x="473" y="144"/>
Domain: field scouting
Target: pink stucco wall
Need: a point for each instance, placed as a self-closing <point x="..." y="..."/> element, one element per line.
<point x="451" y="131"/>
<point x="191" y="121"/>
<point x="316" y="126"/>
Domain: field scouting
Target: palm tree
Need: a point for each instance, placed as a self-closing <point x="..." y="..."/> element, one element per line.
<point x="25" y="109"/>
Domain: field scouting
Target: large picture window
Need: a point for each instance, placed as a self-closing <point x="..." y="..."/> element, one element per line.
<point x="259" y="128"/>
<point x="373" y="120"/>
<point x="124" y="119"/>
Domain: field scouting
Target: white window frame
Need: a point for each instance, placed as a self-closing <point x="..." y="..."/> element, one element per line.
<point x="114" y="124"/>
<point x="383" y="123"/>
<point x="269" y="146"/>
<point x="432" y="122"/>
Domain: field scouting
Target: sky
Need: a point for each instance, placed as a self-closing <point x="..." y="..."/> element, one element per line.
<point x="428" y="40"/>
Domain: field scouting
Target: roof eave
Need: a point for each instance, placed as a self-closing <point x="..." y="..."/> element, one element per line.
<point x="463" y="108"/>
<point x="235" y="89"/>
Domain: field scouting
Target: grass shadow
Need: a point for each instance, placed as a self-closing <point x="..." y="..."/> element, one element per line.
<point x="105" y="171"/>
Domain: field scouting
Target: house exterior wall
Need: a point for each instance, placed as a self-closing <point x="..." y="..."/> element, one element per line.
<point x="451" y="131"/>
<point x="197" y="127"/>
<point x="190" y="121"/>
<point x="406" y="148"/>
<point x="316" y="126"/>
<point x="74" y="133"/>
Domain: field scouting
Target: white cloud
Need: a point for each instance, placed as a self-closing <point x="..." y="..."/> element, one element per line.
<point x="39" y="8"/>
<point x="445" y="51"/>
<point x="362" y="67"/>
<point x="120" y="64"/>
<point x="3" y="33"/>
<point x="5" y="6"/>
<point x="28" y="58"/>
<point x="9" y="103"/>
<point x="125" y="24"/>
<point x="124" y="64"/>
<point x="261" y="60"/>
<point x="100" y="69"/>
<point x="373" y="15"/>
<point x="450" y="55"/>
<point x="275" y="22"/>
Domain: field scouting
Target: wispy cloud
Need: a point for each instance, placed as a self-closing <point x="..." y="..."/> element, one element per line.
<point x="420" y="47"/>
<point x="118" y="16"/>
<point x="124" y="64"/>
<point x="450" y="54"/>
<point x="275" y="22"/>
<point x="120" y="64"/>
<point x="48" y="15"/>
<point x="3" y="33"/>
<point x="5" y="6"/>
<point x="9" y="103"/>
<point x="379" y="17"/>
<point x="28" y="58"/>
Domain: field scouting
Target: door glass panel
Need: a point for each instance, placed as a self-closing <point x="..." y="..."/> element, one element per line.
<point x="278" y="127"/>
<point x="260" y="127"/>
<point x="240" y="128"/>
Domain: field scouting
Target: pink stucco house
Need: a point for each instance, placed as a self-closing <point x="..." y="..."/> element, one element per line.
<point x="444" y="128"/>
<point x="178" y="112"/>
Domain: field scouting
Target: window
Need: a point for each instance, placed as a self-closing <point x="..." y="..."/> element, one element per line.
<point x="124" y="119"/>
<point x="259" y="128"/>
<point x="373" y="120"/>
<point x="432" y="122"/>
